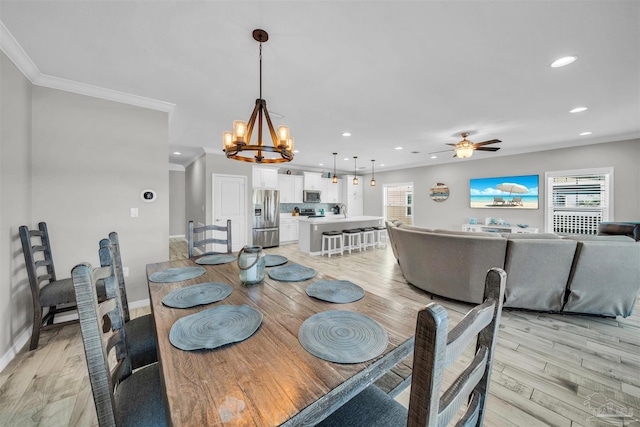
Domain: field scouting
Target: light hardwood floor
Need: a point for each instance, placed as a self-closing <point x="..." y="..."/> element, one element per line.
<point x="549" y="369"/>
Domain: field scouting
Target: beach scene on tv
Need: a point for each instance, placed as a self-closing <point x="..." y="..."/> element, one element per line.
<point x="520" y="192"/>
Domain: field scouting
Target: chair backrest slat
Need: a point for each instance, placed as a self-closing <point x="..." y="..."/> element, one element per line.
<point x="194" y="231"/>
<point x="467" y="330"/>
<point x="455" y="396"/>
<point x="470" y="418"/>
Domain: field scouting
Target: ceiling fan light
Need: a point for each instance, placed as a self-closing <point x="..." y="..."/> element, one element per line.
<point x="464" y="152"/>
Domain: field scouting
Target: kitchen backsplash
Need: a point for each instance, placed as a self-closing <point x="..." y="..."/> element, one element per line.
<point x="288" y="207"/>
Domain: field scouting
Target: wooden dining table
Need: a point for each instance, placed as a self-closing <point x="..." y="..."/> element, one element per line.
<point x="269" y="379"/>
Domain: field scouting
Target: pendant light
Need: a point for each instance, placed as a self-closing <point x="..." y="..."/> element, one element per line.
<point x="355" y="170"/>
<point x="335" y="177"/>
<point x="238" y="142"/>
<point x="373" y="174"/>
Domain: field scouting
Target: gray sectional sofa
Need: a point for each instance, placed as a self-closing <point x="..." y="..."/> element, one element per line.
<point x="545" y="272"/>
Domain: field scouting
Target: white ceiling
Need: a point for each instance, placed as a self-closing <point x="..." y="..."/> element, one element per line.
<point x="393" y="73"/>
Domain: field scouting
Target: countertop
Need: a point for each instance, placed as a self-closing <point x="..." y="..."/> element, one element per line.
<point x="329" y="219"/>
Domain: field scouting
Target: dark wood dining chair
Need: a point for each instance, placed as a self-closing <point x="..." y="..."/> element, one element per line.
<point x="141" y="332"/>
<point x="121" y="397"/>
<point x="195" y="231"/>
<point x="47" y="291"/>
<point x="436" y="349"/>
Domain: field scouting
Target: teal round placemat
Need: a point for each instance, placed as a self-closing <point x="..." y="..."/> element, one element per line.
<point x="343" y="336"/>
<point x="215" y="327"/>
<point x="216" y="259"/>
<point x="200" y="294"/>
<point x="338" y="291"/>
<point x="177" y="274"/>
<point x="274" y="260"/>
<point x="292" y="273"/>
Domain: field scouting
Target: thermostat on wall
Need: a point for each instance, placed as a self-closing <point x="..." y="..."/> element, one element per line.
<point x="148" y="195"/>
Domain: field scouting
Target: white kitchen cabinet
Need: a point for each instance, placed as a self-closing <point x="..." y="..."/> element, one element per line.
<point x="290" y="187"/>
<point x="352" y="196"/>
<point x="289" y="230"/>
<point x="265" y="177"/>
<point x="331" y="193"/>
<point x="313" y="181"/>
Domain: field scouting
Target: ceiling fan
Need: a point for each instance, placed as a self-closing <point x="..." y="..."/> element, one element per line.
<point x="465" y="148"/>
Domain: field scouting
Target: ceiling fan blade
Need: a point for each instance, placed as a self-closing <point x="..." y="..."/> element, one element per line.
<point x="435" y="152"/>
<point x="487" y="148"/>
<point x="453" y="145"/>
<point x="493" y="141"/>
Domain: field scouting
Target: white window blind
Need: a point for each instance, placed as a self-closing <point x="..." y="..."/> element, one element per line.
<point x="577" y="201"/>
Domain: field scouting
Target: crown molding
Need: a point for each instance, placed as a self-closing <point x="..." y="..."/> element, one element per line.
<point x="19" y="57"/>
<point x="176" y="167"/>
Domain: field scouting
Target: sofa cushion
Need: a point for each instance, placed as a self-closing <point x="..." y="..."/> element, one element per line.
<point x="413" y="227"/>
<point x="603" y="238"/>
<point x="605" y="278"/>
<point x="468" y="233"/>
<point x="514" y="236"/>
<point x="537" y="273"/>
<point x="452" y="266"/>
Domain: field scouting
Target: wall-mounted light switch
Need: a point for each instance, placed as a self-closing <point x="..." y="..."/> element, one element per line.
<point x="134" y="212"/>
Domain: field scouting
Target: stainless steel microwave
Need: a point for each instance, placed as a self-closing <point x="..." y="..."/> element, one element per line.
<point x="310" y="196"/>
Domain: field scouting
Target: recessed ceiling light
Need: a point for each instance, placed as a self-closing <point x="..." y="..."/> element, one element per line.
<point x="578" y="110"/>
<point x="381" y="165"/>
<point x="586" y="133"/>
<point x="434" y="157"/>
<point x="320" y="164"/>
<point x="346" y="158"/>
<point x="177" y="153"/>
<point x="346" y="134"/>
<point x="563" y="61"/>
<point x="398" y="148"/>
<point x="296" y="151"/>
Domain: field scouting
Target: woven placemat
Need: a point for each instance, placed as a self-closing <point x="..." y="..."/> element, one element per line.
<point x="274" y="260"/>
<point x="216" y="259"/>
<point x="177" y="274"/>
<point x="292" y="273"/>
<point x="343" y="336"/>
<point x="337" y="291"/>
<point x="215" y="327"/>
<point x="200" y="294"/>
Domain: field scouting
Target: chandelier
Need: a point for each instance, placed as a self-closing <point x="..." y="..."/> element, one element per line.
<point x="237" y="144"/>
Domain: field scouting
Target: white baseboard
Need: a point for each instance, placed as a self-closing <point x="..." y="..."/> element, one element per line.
<point x="20" y="341"/>
<point x="177" y="236"/>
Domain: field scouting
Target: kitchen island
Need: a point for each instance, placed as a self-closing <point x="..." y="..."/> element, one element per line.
<point x="310" y="237"/>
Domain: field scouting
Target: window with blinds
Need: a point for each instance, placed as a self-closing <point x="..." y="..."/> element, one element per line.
<point x="577" y="201"/>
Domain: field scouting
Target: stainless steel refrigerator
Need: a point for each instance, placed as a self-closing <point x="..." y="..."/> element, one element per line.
<point x="266" y="218"/>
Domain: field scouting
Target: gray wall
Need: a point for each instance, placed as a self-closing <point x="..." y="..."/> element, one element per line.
<point x="91" y="160"/>
<point x="79" y="163"/>
<point x="623" y="156"/>
<point x="177" y="203"/>
<point x="15" y="204"/>
<point x="199" y="186"/>
<point x="195" y="187"/>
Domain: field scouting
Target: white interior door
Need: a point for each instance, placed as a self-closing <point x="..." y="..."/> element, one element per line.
<point x="230" y="202"/>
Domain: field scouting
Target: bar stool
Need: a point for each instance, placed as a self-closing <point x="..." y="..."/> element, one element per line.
<point x="332" y="238"/>
<point x="368" y="237"/>
<point x="381" y="235"/>
<point x="353" y="236"/>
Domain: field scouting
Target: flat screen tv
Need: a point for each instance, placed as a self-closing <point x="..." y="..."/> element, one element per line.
<point x="517" y="192"/>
